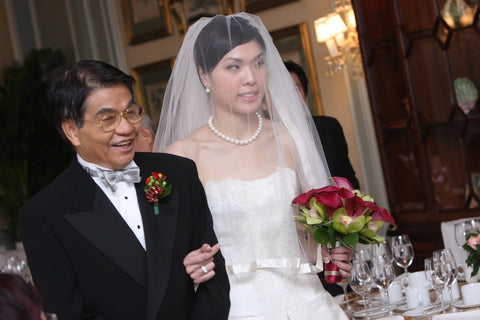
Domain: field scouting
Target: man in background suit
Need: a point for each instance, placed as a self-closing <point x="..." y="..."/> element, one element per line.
<point x="96" y="246"/>
<point x="146" y="136"/>
<point x="334" y="146"/>
<point x="330" y="132"/>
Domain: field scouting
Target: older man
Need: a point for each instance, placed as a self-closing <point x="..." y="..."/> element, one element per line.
<point x="96" y="245"/>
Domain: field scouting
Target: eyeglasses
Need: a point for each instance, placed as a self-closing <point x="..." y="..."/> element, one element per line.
<point x="111" y="120"/>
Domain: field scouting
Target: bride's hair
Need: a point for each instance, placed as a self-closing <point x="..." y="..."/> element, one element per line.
<point x="220" y="36"/>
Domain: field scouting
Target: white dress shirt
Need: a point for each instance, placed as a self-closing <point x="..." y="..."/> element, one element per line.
<point x="124" y="199"/>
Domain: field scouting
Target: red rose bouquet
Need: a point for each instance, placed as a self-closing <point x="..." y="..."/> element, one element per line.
<point x="341" y="214"/>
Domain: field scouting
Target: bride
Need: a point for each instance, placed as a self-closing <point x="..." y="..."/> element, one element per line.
<point x="231" y="106"/>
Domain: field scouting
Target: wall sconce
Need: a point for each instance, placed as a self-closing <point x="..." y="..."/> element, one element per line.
<point x="338" y="31"/>
<point x="458" y="13"/>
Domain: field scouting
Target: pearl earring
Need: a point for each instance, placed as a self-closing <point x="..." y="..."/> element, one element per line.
<point x="207" y="89"/>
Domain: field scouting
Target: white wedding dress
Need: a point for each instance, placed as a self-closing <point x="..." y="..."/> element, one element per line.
<point x="268" y="277"/>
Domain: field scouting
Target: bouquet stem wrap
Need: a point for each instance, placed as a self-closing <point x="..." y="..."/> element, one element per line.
<point x="332" y="273"/>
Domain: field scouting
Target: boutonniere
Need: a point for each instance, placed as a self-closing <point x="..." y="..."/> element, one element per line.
<point x="156" y="187"/>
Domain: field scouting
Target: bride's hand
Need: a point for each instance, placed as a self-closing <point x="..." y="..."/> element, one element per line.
<point x="199" y="263"/>
<point x="342" y="257"/>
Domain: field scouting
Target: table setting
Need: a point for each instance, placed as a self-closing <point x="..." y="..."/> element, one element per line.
<point x="340" y="215"/>
<point x="15" y="261"/>
<point x="437" y="292"/>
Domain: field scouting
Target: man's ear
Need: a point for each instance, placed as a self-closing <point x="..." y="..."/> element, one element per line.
<point x="147" y="135"/>
<point x="70" y="129"/>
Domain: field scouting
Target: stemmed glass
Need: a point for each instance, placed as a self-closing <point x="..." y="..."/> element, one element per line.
<point x="364" y="254"/>
<point x="463" y="229"/>
<point x="360" y="280"/>
<point x="402" y="250"/>
<point x="382" y="249"/>
<point x="383" y="275"/>
<point x="438" y="275"/>
<point x="344" y="284"/>
<point x="446" y="258"/>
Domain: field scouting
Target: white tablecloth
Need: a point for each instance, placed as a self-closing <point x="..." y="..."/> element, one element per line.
<point x="467" y="315"/>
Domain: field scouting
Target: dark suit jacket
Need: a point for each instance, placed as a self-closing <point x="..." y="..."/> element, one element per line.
<point x="336" y="152"/>
<point x="88" y="264"/>
<point x="335" y="148"/>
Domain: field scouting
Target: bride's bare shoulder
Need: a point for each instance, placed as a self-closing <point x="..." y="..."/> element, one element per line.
<point x="188" y="146"/>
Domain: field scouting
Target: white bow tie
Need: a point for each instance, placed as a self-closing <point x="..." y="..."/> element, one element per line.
<point x="110" y="177"/>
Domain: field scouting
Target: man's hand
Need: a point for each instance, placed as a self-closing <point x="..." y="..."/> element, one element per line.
<point x="199" y="263"/>
<point x="342" y="257"/>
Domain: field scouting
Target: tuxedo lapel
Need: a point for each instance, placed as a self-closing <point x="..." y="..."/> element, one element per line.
<point x="101" y="224"/>
<point x="159" y="237"/>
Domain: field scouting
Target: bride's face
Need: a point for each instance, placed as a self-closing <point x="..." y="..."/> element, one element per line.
<point x="238" y="81"/>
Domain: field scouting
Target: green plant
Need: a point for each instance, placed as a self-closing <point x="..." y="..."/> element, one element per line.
<point x="32" y="152"/>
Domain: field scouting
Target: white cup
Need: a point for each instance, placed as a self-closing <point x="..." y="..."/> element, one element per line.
<point x="471" y="293"/>
<point x="417" y="297"/>
<point x="415" y="280"/>
<point x="395" y="292"/>
<point x="455" y="292"/>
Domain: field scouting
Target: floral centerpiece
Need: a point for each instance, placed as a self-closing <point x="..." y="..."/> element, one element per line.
<point x="472" y="246"/>
<point x="341" y="214"/>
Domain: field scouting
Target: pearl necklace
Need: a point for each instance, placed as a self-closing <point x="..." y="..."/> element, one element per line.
<point x="236" y="141"/>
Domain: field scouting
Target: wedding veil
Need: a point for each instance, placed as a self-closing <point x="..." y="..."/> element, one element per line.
<point x="187" y="107"/>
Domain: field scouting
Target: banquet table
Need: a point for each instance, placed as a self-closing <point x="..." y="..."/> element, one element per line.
<point x="18" y="252"/>
<point x="358" y="306"/>
<point x="15" y="261"/>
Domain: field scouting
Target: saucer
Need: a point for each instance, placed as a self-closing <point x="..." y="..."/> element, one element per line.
<point x="459" y="304"/>
<point x="424" y="311"/>
<point x="373" y="312"/>
<point x="405" y="307"/>
<point x="374" y="302"/>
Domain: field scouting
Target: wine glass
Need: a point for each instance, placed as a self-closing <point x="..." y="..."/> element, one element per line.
<point x="383" y="275"/>
<point x="344" y="284"/>
<point x="446" y="257"/>
<point x="360" y="280"/>
<point x="364" y="254"/>
<point x="382" y="249"/>
<point x="402" y="250"/>
<point x="464" y="228"/>
<point x="438" y="275"/>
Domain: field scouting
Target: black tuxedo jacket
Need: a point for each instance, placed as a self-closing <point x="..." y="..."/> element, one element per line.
<point x="88" y="264"/>
<point x="336" y="152"/>
<point x="335" y="148"/>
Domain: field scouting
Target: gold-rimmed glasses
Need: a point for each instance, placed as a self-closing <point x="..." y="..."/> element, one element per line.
<point x="110" y="121"/>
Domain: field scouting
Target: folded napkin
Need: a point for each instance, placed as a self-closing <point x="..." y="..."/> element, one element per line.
<point x="467" y="315"/>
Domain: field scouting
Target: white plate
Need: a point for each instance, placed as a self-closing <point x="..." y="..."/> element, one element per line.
<point x="404" y="307"/>
<point x="461" y="305"/>
<point x="372" y="312"/>
<point x="417" y="312"/>
<point x="374" y="302"/>
<point x="424" y="311"/>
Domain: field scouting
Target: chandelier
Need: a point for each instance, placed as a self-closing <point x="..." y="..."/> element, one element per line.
<point x="338" y="30"/>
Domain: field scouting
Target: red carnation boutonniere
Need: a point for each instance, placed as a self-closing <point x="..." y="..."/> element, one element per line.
<point x="156" y="187"/>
